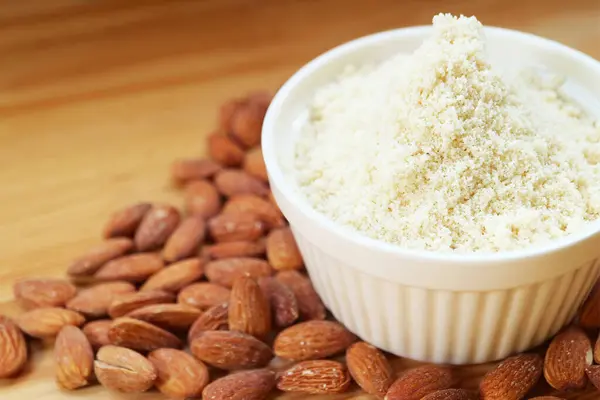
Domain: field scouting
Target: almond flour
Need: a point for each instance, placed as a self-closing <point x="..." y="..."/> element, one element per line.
<point x="440" y="151"/>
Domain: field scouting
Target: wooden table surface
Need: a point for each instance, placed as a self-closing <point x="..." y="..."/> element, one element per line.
<point x="98" y="97"/>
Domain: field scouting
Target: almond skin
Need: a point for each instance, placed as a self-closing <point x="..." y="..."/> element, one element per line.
<point x="126" y="303"/>
<point x="226" y="112"/>
<point x="589" y="314"/>
<point x="254" y="164"/>
<point x="203" y="295"/>
<point x="225" y="272"/>
<point x="43" y="292"/>
<point x="175" y="276"/>
<point x="249" y="309"/>
<point x="315" y="377"/>
<point x="185" y="240"/>
<point x="453" y="394"/>
<point x="193" y="169"/>
<point x="47" y="322"/>
<point x="93" y="259"/>
<point x="235" y="227"/>
<point x="140" y="335"/>
<point x="282" y="251"/>
<point x="97" y="332"/>
<point x="202" y="199"/>
<point x="310" y="305"/>
<point x="266" y="210"/>
<point x="230" y="182"/>
<point x="369" y="368"/>
<point x="235" y="249"/>
<point x="284" y="306"/>
<point x="215" y="318"/>
<point x="73" y="357"/>
<point x="230" y="350"/>
<point x="567" y="357"/>
<point x="593" y="374"/>
<point x="13" y="348"/>
<point x="125" y="222"/>
<point x="312" y="340"/>
<point x="512" y="378"/>
<point x="172" y="317"/>
<point x="245" y="385"/>
<point x="94" y="301"/>
<point x="225" y="151"/>
<point x="597" y="350"/>
<point x="124" y="370"/>
<point x="156" y="227"/>
<point x="246" y="124"/>
<point x="180" y="376"/>
<point x="133" y="268"/>
<point x="419" y="382"/>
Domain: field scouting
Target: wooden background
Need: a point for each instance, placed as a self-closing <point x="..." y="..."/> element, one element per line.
<point x="98" y="97"/>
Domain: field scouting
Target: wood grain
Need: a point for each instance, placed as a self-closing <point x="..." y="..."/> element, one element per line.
<point x="98" y="97"/>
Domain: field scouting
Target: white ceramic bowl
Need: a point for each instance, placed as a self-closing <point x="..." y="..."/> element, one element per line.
<point x="442" y="308"/>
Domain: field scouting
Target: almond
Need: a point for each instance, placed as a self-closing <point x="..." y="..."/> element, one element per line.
<point x="186" y="240"/>
<point x="94" y="301"/>
<point x="421" y="381"/>
<point x="235" y="249"/>
<point x="126" y="303"/>
<point x="126" y="221"/>
<point x="226" y="113"/>
<point x="175" y="276"/>
<point x="593" y="374"/>
<point x="13" y="348"/>
<point x="180" y="376"/>
<point x="73" y="357"/>
<point x="193" y="169"/>
<point x="310" y="305"/>
<point x="225" y="272"/>
<point x="236" y="226"/>
<point x="246" y="124"/>
<point x="284" y="306"/>
<point x="589" y="315"/>
<point x="452" y="394"/>
<point x="156" y="227"/>
<point x="254" y="164"/>
<point x="96" y="257"/>
<point x="203" y="295"/>
<point x="312" y="340"/>
<point x="97" y="332"/>
<point x="140" y="335"/>
<point x="597" y="350"/>
<point x="245" y="385"/>
<point x="369" y="368"/>
<point x="47" y="322"/>
<point x="215" y="318"/>
<point x="230" y="182"/>
<point x="512" y="378"/>
<point x="133" y="268"/>
<point x="282" y="251"/>
<point x="567" y="357"/>
<point x="225" y="151"/>
<point x="172" y="317"/>
<point x="315" y="377"/>
<point x="202" y="199"/>
<point x="249" y="310"/>
<point x="230" y="350"/>
<point x="124" y="370"/>
<point x="266" y="210"/>
<point x="43" y="292"/>
<point x="546" y="398"/>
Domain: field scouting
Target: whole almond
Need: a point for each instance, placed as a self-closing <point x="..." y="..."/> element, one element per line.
<point x="512" y="378"/>
<point x="203" y="295"/>
<point x="315" y="377"/>
<point x="94" y="301"/>
<point x="186" y="239"/>
<point x="126" y="303"/>
<point x="140" y="335"/>
<point x="246" y="124"/>
<point x="156" y="227"/>
<point x="230" y="182"/>
<point x="235" y="249"/>
<point x="249" y="309"/>
<point x="455" y="394"/>
<point x="180" y="376"/>
<point x="73" y="357"/>
<point x="215" y="318"/>
<point x="202" y="199"/>
<point x="284" y="306"/>
<point x="193" y="169"/>
<point x="125" y="222"/>
<point x="369" y="368"/>
<point x="236" y="226"/>
<point x="96" y="257"/>
<point x="175" y="276"/>
<point x="43" y="292"/>
<point x="254" y="164"/>
<point x="421" y="381"/>
<point x="226" y="112"/>
<point x="312" y="340"/>
<point x="97" y="332"/>
<point x="47" y="322"/>
<point x="230" y="350"/>
<point x="224" y="272"/>
<point x="567" y="357"/>
<point x="310" y="305"/>
<point x="13" y="348"/>
<point x="589" y="314"/>
<point x="133" y="268"/>
<point x="282" y="251"/>
<point x="593" y="374"/>
<point x="172" y="317"/>
<point x="124" y="370"/>
<point x="225" y="151"/>
<point x="266" y="210"/>
<point x="244" y="385"/>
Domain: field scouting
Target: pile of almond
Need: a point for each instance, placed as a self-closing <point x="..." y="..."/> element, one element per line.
<point x="212" y="301"/>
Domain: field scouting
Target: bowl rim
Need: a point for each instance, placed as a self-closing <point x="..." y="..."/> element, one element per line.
<point x="278" y="179"/>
